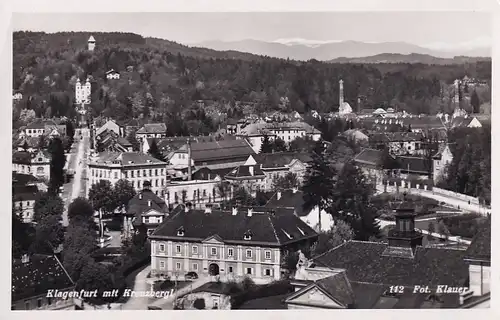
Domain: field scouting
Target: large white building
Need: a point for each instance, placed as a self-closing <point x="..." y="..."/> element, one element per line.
<point x="36" y="164"/>
<point x="286" y="131"/>
<point x="82" y="92"/>
<point x="132" y="166"/>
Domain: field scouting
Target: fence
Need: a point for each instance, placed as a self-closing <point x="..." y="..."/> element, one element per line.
<point x="456" y="195"/>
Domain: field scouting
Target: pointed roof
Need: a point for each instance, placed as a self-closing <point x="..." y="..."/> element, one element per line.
<point x="91" y="39"/>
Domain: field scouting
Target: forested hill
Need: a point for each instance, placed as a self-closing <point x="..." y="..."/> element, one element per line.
<point x="163" y="80"/>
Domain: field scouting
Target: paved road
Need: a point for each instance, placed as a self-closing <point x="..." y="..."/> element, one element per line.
<point x="454" y="202"/>
<point x="140" y="285"/>
<point x="77" y="164"/>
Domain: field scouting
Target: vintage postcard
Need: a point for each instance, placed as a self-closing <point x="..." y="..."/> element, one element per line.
<point x="265" y="161"/>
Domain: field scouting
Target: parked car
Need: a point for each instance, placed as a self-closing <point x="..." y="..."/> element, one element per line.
<point x="191" y="276"/>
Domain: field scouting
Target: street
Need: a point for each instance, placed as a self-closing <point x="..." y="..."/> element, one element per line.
<point x="76" y="163"/>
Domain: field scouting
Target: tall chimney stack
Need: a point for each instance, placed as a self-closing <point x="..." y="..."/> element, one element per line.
<point x="341" y="93"/>
<point x="189" y="158"/>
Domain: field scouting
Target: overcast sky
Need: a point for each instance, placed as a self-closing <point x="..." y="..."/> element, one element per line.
<point x="431" y="29"/>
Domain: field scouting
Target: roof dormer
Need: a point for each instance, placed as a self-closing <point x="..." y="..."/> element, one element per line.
<point x="180" y="232"/>
<point x="248" y="235"/>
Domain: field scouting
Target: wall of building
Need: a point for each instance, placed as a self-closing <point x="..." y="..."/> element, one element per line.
<point x="479" y="279"/>
<point x="42" y="302"/>
<point x="198" y="192"/>
<point x="170" y="258"/>
<point x="25" y="209"/>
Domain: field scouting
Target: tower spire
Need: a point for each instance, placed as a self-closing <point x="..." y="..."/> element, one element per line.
<point x="341" y="93"/>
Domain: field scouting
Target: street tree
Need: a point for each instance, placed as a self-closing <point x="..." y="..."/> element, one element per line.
<point x="287" y="182"/>
<point x="339" y="233"/>
<point x="319" y="182"/>
<point x="80" y="209"/>
<point x="22" y="234"/>
<point x="123" y="192"/>
<point x="351" y="203"/>
<point x="49" y="235"/>
<point x="278" y="145"/>
<point x="42" y="142"/>
<point x="474" y="101"/>
<point x="70" y="130"/>
<point x="95" y="276"/>
<point x="47" y="204"/>
<point x="136" y="145"/>
<point x="101" y="196"/>
<point x="57" y="163"/>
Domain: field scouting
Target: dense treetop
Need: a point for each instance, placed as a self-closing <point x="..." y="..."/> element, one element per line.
<point x="164" y="81"/>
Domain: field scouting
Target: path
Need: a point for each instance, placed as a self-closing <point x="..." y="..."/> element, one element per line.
<point x="168" y="304"/>
<point x="454" y="202"/>
<point x="140" y="285"/>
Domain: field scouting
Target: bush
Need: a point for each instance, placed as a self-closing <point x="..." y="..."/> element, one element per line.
<point x="199" y="304"/>
<point x="465" y="225"/>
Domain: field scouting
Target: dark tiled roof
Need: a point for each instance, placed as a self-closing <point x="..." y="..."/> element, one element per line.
<point x="24" y="193"/>
<point x="266" y="228"/>
<point x="31" y="141"/>
<point x="338" y="287"/>
<point x="364" y="262"/>
<point x="37" y="276"/>
<point x="22" y="157"/>
<point x="480" y="247"/>
<point x="280" y="159"/>
<point x="127" y="158"/>
<point x="367" y="294"/>
<point x="369" y="156"/>
<point x="415" y="164"/>
<point x="123" y="141"/>
<point x="140" y="203"/>
<point x="430" y="122"/>
<point x="288" y="199"/>
<point x="223" y="149"/>
<point x="23" y="179"/>
<point x="153" y="128"/>
<point x="246" y="172"/>
<point x="205" y="173"/>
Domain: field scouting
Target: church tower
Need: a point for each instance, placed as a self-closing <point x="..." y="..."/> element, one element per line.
<point x="457" y="94"/>
<point x="91" y="43"/>
<point x="82" y="92"/>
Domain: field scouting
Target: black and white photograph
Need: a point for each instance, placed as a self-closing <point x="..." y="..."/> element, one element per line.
<point x="251" y="160"/>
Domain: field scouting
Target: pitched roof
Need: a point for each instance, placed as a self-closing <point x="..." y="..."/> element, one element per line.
<point x="23" y="179"/>
<point x="123" y="141"/>
<point x="430" y="122"/>
<point x="480" y="247"/>
<point x="338" y="287"/>
<point x="31" y="141"/>
<point x="369" y="156"/>
<point x="288" y="199"/>
<point x="152" y="128"/>
<point x="413" y="164"/>
<point x="280" y="159"/>
<point x="126" y="158"/>
<point x="24" y="192"/>
<point x="223" y="149"/>
<point x="246" y="172"/>
<point x="364" y="262"/>
<point x="37" y="276"/>
<point x="24" y="157"/>
<point x="266" y="228"/>
<point x="144" y="201"/>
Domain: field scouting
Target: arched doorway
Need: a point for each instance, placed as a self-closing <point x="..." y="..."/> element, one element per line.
<point x="213" y="269"/>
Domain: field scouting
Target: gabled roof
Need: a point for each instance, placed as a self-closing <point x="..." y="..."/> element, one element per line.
<point x="152" y="128"/>
<point x="281" y="159"/>
<point x="223" y="149"/>
<point x="24" y="192"/>
<point x="91" y="39"/>
<point x="126" y="158"/>
<point x="288" y="199"/>
<point x="369" y="156"/>
<point x="246" y="172"/>
<point x="24" y="157"/>
<point x="364" y="262"/>
<point x="37" y="276"/>
<point x="480" y="247"/>
<point x="139" y="204"/>
<point x="413" y="164"/>
<point x="336" y="287"/>
<point x="23" y="179"/>
<point x="266" y="228"/>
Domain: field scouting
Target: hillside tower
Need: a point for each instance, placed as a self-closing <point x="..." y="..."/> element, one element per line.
<point x="91" y="43"/>
<point x="82" y="92"/>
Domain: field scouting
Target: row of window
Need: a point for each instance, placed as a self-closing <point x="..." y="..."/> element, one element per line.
<point x="100" y="173"/>
<point x="213" y="251"/>
<point x="35" y="130"/>
<point x="249" y="271"/>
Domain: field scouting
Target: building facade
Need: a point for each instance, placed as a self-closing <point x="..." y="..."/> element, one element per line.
<point x="135" y="167"/>
<point x="229" y="244"/>
<point x="196" y="192"/>
<point x="36" y="164"/>
<point x="82" y="92"/>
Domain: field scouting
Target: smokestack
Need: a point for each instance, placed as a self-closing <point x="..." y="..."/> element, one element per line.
<point x="189" y="158"/>
<point x="341" y="93"/>
<point x="149" y="203"/>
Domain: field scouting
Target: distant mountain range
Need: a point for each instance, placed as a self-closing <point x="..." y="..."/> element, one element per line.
<point x="409" y="58"/>
<point x="300" y="49"/>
